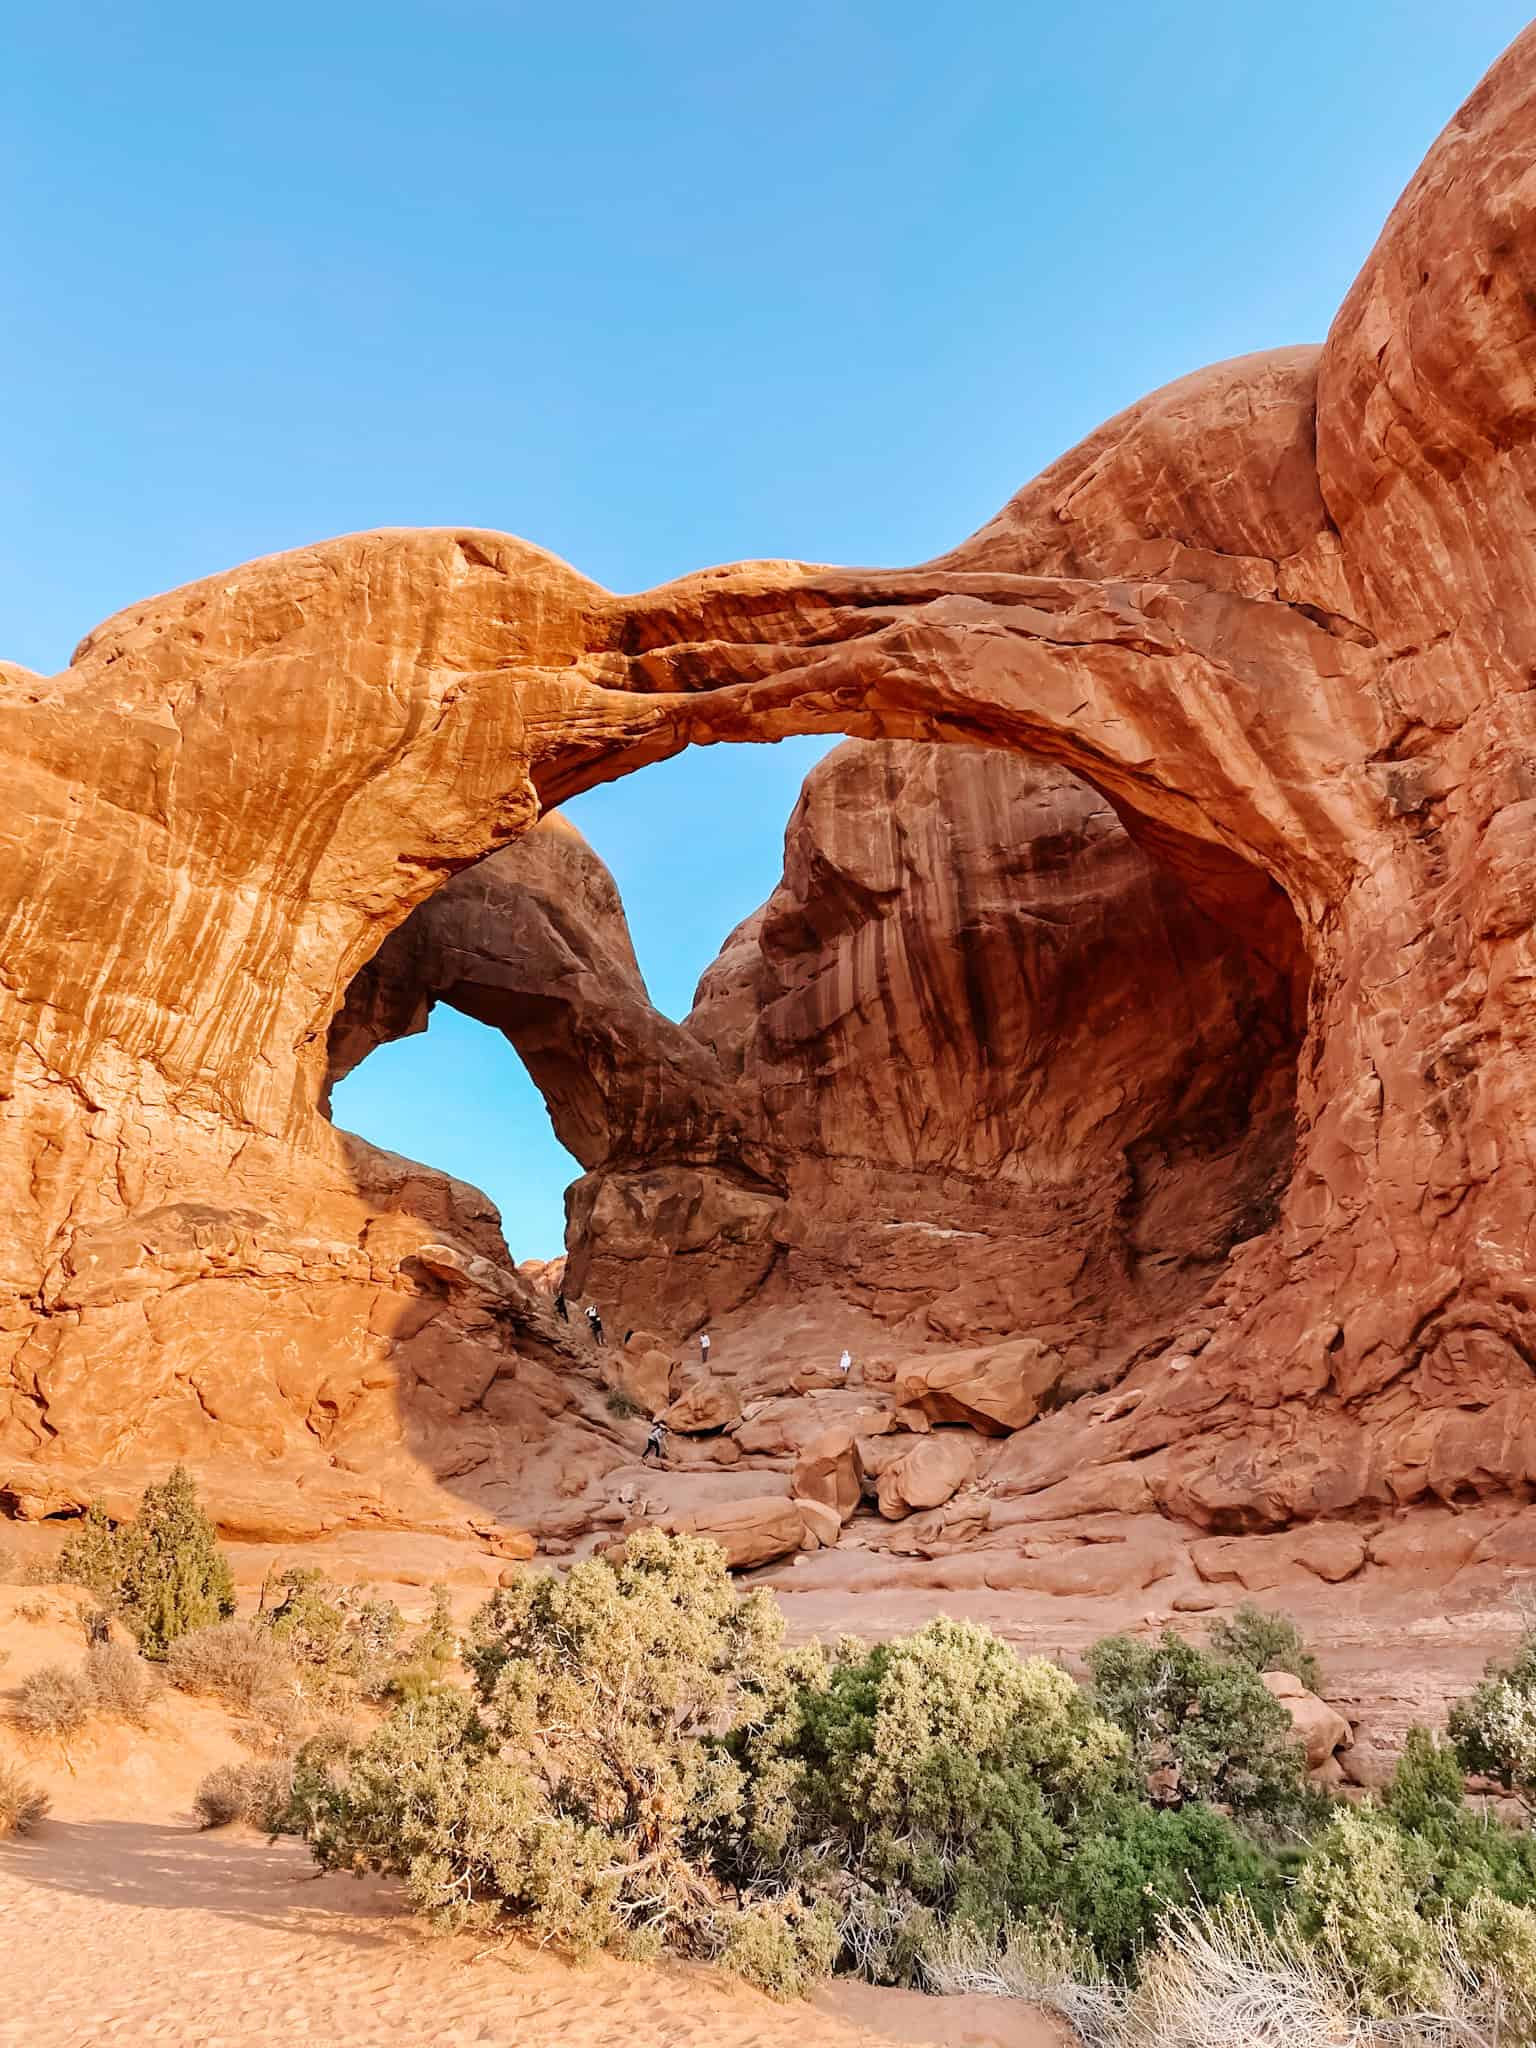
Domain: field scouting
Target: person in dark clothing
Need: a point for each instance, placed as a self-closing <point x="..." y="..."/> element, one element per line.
<point x="655" y="1442"/>
<point x="560" y="1308"/>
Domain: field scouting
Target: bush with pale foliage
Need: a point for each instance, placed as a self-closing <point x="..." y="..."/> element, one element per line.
<point x="53" y="1700"/>
<point x="240" y="1663"/>
<point x="122" y="1685"/>
<point x="23" y="1805"/>
<point x="257" y="1792"/>
<point x="581" y="1797"/>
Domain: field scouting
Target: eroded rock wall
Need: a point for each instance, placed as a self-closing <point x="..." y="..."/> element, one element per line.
<point x="1008" y="1076"/>
<point x="1281" y="614"/>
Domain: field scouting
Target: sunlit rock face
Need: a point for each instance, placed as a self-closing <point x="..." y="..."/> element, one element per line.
<point x="1001" y="1071"/>
<point x="1280" y="615"/>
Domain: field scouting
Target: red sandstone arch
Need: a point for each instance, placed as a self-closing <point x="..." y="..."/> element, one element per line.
<point x="1283" y="613"/>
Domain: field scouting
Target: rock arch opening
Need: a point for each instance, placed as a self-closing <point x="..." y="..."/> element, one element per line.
<point x="980" y="1064"/>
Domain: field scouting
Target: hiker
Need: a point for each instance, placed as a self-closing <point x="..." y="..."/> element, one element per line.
<point x="655" y="1440"/>
<point x="845" y="1362"/>
<point x="594" y="1322"/>
<point x="703" y="1347"/>
<point x="560" y="1308"/>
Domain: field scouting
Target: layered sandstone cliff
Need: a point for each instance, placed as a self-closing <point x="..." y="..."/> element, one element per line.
<point x="1282" y="615"/>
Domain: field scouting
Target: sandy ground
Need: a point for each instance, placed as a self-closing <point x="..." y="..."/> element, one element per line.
<point x="126" y="1931"/>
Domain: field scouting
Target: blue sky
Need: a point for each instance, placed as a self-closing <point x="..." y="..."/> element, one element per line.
<point x="655" y="287"/>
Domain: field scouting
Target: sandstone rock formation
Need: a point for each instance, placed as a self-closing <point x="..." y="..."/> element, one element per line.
<point x="1321" y="1729"/>
<point x="1280" y="615"/>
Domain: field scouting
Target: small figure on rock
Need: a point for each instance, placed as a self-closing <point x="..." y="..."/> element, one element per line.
<point x="560" y="1308"/>
<point x="655" y="1441"/>
<point x="594" y="1322"/>
<point x="845" y="1362"/>
<point x="703" y="1347"/>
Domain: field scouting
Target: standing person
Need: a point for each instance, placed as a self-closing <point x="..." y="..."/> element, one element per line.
<point x="655" y="1442"/>
<point x="703" y="1347"/>
<point x="845" y="1362"/>
<point x="594" y="1322"/>
<point x="560" y="1308"/>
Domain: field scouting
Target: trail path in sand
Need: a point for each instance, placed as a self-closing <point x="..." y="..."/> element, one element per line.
<point x="123" y="1932"/>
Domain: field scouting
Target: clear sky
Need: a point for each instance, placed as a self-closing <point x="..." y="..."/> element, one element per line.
<point x="655" y="286"/>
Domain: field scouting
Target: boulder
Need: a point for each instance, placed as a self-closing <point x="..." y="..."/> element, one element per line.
<point x="702" y="1406"/>
<point x="750" y="1532"/>
<point x="828" y="1471"/>
<point x="928" y="1471"/>
<point x="823" y="1525"/>
<point x="996" y="1389"/>
<point x="1321" y="1729"/>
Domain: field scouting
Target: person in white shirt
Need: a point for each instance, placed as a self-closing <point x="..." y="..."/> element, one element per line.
<point x="703" y="1347"/>
<point x="844" y="1362"/>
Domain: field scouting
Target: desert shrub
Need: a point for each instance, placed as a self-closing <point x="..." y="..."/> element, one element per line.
<point x="933" y="1779"/>
<point x="429" y="1659"/>
<point x="1266" y="1641"/>
<point x="53" y="1700"/>
<point x="238" y="1662"/>
<point x="163" y="1571"/>
<point x="622" y="1406"/>
<point x="1494" y="1727"/>
<point x="1460" y="1851"/>
<point x="256" y="1792"/>
<point x="1203" y="1727"/>
<point x="580" y="1796"/>
<point x="781" y="1944"/>
<point x="23" y="1805"/>
<point x="93" y="1557"/>
<point x="120" y="1682"/>
<point x="346" y="1634"/>
<point x="1143" y="1862"/>
<point x="1359" y="1898"/>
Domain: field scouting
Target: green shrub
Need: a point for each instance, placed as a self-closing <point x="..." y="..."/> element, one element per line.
<point x="1203" y="1727"/>
<point x="120" y="1682"/>
<point x="429" y="1659"/>
<point x="935" y="1778"/>
<point x="93" y="1557"/>
<point x="53" y="1700"/>
<point x="1266" y="1642"/>
<point x="1142" y="1862"/>
<point x="581" y="1796"/>
<point x="1359" y="1898"/>
<point x="23" y="1805"/>
<point x="163" y="1571"/>
<point x="1463" y="1852"/>
<point x="622" y="1406"/>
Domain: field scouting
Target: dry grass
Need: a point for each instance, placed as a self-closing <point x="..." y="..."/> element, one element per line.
<point x="239" y="1663"/>
<point x="23" y="1805"/>
<point x="1221" y="1980"/>
<point x="1040" y="1965"/>
<point x="53" y="1700"/>
<point x="120" y="1682"/>
<point x="255" y="1792"/>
